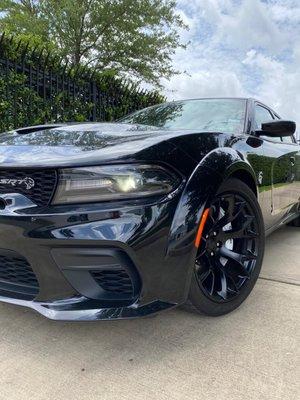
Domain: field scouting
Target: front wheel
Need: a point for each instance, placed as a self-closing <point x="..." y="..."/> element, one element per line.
<point x="231" y="251"/>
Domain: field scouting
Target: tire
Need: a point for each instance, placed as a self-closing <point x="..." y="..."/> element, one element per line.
<point x="226" y="272"/>
<point x="295" y="222"/>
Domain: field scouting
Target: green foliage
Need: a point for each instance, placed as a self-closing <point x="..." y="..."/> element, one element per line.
<point x="28" y="98"/>
<point x="273" y="171"/>
<point x="21" y="105"/>
<point x="132" y="38"/>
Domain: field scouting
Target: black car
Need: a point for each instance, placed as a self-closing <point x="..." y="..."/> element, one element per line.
<point x="168" y="205"/>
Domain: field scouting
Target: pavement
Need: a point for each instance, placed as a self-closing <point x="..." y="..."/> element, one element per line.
<point x="253" y="353"/>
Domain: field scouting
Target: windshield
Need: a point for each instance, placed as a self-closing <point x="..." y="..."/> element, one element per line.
<point x="205" y="115"/>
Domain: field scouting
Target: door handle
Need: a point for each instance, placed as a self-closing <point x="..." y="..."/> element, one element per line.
<point x="293" y="161"/>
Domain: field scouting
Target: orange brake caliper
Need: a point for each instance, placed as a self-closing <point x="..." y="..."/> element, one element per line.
<point x="203" y="220"/>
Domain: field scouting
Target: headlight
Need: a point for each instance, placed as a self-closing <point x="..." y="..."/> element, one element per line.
<point x="113" y="182"/>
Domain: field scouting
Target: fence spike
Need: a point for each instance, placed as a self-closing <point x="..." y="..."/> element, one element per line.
<point x="40" y="56"/>
<point x="76" y="70"/>
<point x="2" y="38"/>
<point x="65" y="67"/>
<point x="25" y="50"/>
<point x="93" y="73"/>
<point x="33" y="51"/>
<point x="18" y="45"/>
<point x="47" y="58"/>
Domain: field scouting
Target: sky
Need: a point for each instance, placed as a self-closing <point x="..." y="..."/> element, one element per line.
<point x="240" y="48"/>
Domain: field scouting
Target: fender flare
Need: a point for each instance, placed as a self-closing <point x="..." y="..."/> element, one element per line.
<point x="200" y="189"/>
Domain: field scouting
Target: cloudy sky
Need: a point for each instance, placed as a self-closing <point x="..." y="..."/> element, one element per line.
<point x="241" y="48"/>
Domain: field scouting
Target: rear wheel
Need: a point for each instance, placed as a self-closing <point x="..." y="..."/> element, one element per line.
<point x="295" y="222"/>
<point x="231" y="251"/>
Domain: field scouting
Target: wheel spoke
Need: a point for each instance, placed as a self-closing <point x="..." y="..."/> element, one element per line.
<point x="231" y="278"/>
<point x="224" y="286"/>
<point x="239" y="212"/>
<point x="212" y="283"/>
<point x="237" y="267"/>
<point x="201" y="253"/>
<point x="231" y="206"/>
<point x="211" y="215"/>
<point x="241" y="233"/>
<point x="235" y="288"/>
<point x="220" y="222"/>
<point x="239" y="257"/>
<point x="204" y="275"/>
<point x="231" y="214"/>
<point x="200" y="259"/>
<point x="239" y="271"/>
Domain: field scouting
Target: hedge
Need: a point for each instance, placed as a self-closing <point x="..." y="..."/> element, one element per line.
<point x="36" y="87"/>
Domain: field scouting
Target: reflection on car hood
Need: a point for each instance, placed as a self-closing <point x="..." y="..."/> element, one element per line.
<point x="86" y="136"/>
<point x="79" y="143"/>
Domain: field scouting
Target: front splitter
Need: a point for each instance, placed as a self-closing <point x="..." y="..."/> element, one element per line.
<point x="83" y="309"/>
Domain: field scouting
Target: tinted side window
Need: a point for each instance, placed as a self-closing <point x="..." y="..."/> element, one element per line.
<point x="263" y="115"/>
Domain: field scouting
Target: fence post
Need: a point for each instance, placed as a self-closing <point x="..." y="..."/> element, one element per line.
<point x="94" y="100"/>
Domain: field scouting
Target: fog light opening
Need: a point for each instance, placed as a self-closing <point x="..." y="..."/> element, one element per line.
<point x="3" y="204"/>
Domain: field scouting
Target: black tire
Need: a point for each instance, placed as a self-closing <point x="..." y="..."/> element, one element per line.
<point x="295" y="222"/>
<point x="203" y="294"/>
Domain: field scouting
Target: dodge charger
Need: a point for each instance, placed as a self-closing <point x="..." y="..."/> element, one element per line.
<point x="168" y="205"/>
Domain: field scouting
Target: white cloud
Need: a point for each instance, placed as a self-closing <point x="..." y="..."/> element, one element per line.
<point x="250" y="26"/>
<point x="241" y="48"/>
<point x="280" y="83"/>
<point x="206" y="83"/>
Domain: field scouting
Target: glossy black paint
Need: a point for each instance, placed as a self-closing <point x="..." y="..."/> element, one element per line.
<point x="278" y="128"/>
<point x="157" y="234"/>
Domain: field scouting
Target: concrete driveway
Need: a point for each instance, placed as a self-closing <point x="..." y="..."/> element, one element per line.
<point x="252" y="353"/>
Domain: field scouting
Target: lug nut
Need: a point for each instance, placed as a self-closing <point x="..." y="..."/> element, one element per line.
<point x="215" y="233"/>
<point x="212" y="253"/>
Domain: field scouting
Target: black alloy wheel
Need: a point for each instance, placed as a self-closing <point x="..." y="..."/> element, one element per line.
<point x="230" y="255"/>
<point x="295" y="222"/>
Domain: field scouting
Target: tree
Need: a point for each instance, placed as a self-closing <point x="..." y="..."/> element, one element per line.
<point x="132" y="37"/>
<point x="23" y="18"/>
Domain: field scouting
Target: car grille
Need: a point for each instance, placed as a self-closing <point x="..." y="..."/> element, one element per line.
<point x="12" y="181"/>
<point x="115" y="281"/>
<point x="16" y="274"/>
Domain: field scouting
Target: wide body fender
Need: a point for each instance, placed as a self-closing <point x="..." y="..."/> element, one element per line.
<point x="200" y="189"/>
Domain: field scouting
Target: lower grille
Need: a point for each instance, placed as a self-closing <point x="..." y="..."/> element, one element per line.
<point x="37" y="185"/>
<point x="114" y="281"/>
<point x="16" y="275"/>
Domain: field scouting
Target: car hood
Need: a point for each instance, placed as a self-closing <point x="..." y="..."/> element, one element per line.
<point x="80" y="144"/>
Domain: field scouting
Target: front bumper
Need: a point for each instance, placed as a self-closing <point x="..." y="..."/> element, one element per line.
<point x="64" y="246"/>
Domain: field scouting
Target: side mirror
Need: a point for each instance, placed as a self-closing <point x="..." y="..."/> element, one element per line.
<point x="277" y="128"/>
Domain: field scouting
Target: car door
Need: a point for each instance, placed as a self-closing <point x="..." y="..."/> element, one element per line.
<point x="294" y="149"/>
<point x="278" y="172"/>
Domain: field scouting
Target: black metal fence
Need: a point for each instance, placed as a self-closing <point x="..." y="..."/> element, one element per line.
<point x="36" y="87"/>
